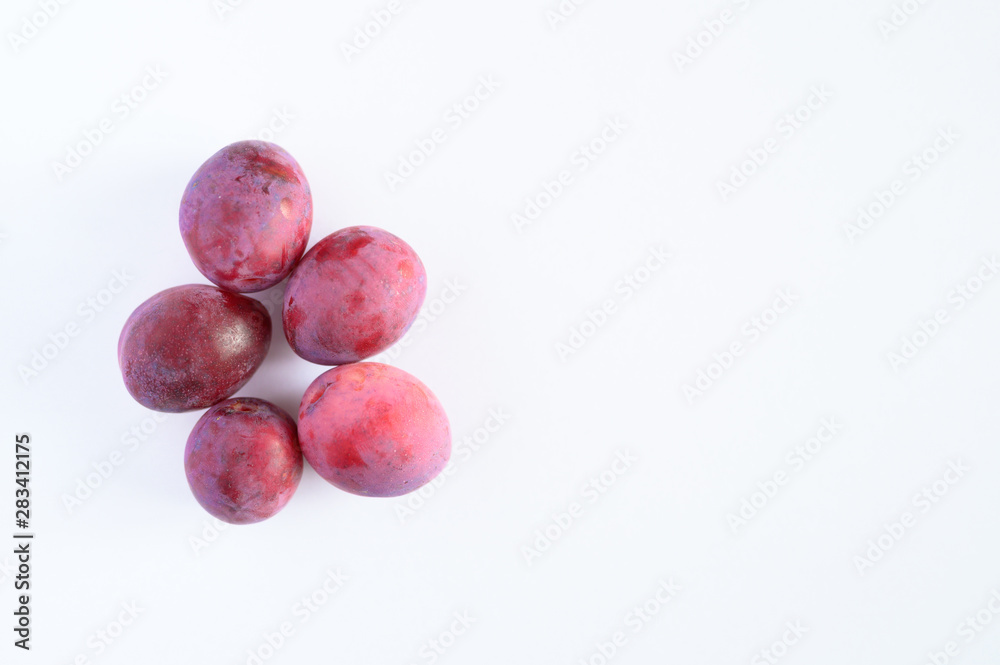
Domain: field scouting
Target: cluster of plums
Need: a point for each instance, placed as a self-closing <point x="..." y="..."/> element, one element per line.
<point x="367" y="428"/>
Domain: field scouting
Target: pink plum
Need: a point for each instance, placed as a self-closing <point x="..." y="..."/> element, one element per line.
<point x="192" y="346"/>
<point x="243" y="461"/>
<point x="352" y="296"/>
<point x="374" y="430"/>
<point x="246" y="215"/>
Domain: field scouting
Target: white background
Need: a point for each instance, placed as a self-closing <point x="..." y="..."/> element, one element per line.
<point x="209" y="596"/>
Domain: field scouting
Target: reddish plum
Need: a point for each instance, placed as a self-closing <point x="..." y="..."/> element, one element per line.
<point x="246" y="215"/>
<point x="373" y="429"/>
<point x="352" y="296"/>
<point x="192" y="346"/>
<point x="243" y="461"/>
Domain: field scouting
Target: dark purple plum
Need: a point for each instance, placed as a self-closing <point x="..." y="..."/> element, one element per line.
<point x="352" y="296"/>
<point x="246" y="215"/>
<point x="374" y="430"/>
<point x="192" y="346"/>
<point x="243" y="461"/>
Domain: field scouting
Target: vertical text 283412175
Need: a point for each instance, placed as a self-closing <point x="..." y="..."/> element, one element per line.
<point x="22" y="540"/>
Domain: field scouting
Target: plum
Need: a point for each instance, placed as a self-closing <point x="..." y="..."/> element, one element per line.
<point x="192" y="346"/>
<point x="374" y="430"/>
<point x="352" y="296"/>
<point x="243" y="461"/>
<point x="246" y="215"/>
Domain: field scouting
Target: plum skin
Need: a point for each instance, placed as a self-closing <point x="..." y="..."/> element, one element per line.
<point x="246" y="215"/>
<point x="353" y="295"/>
<point x="192" y="346"/>
<point x="243" y="461"/>
<point x="373" y="430"/>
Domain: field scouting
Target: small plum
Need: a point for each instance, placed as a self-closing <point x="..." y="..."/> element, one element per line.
<point x="352" y="296"/>
<point x="245" y="216"/>
<point x="374" y="430"/>
<point x="243" y="461"/>
<point x="192" y="346"/>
